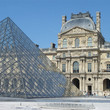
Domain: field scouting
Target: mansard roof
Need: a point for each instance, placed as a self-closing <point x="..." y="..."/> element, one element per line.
<point x="83" y="20"/>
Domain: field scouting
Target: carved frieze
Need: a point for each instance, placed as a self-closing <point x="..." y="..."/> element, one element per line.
<point x="70" y="41"/>
<point x="83" y="41"/>
<point x="95" y="40"/>
<point x="59" y="43"/>
<point x="77" y="31"/>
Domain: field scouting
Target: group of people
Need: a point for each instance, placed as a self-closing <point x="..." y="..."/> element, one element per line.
<point x="90" y="94"/>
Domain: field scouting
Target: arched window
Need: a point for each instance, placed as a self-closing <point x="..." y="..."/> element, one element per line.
<point x="64" y="43"/>
<point x="76" y="42"/>
<point x="89" y="41"/>
<point x="75" y="67"/>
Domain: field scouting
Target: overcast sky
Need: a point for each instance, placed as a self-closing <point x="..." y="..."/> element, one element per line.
<point x="41" y="21"/>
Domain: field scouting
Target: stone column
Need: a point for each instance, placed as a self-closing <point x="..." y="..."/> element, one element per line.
<point x="81" y="67"/>
<point x="93" y="68"/>
<point x="84" y="66"/>
<point x="67" y="66"/>
<point x="96" y="65"/>
<point x="83" y="84"/>
<point x="94" y="84"/>
<point x="58" y="64"/>
<point x="93" y="90"/>
<point x="70" y="66"/>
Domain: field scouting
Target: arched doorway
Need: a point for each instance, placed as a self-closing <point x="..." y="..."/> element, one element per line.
<point x="76" y="82"/>
<point x="106" y="84"/>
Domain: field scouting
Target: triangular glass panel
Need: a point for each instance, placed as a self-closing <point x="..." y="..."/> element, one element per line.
<point x="24" y="70"/>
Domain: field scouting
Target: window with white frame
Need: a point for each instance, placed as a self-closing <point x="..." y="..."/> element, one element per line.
<point x="89" y="41"/>
<point x="76" y="42"/>
<point x="89" y="67"/>
<point x="64" y="43"/>
<point x="63" y="67"/>
<point x="108" y="67"/>
<point x="75" y="67"/>
<point x="89" y="54"/>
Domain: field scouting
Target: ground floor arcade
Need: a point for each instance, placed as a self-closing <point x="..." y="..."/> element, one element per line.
<point x="91" y="84"/>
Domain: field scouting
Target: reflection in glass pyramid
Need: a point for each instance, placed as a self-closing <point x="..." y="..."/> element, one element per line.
<point x="24" y="70"/>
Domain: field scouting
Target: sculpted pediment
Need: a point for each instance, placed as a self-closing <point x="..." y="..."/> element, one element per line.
<point x="76" y="30"/>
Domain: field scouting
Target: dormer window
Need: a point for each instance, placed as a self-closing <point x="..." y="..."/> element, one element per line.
<point x="89" y="41"/>
<point x="76" y="42"/>
<point x="64" y="43"/>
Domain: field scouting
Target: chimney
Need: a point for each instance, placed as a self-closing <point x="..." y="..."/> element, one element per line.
<point x="36" y="45"/>
<point x="98" y="21"/>
<point x="52" y="45"/>
<point x="64" y="19"/>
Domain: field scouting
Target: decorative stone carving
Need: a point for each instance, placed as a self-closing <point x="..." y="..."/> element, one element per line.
<point x="59" y="43"/>
<point x="70" y="41"/>
<point x="58" y="56"/>
<point x="95" y="40"/>
<point x="83" y="41"/>
<point x="68" y="54"/>
<point x="77" y="30"/>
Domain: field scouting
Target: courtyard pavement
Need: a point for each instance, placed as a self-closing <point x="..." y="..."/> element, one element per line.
<point x="66" y="103"/>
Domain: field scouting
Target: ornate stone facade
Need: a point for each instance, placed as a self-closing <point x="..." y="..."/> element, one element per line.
<point x="82" y="54"/>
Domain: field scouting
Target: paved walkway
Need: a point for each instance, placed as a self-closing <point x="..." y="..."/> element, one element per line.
<point x="68" y="103"/>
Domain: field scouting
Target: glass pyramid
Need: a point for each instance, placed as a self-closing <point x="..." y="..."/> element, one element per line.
<point x="24" y="70"/>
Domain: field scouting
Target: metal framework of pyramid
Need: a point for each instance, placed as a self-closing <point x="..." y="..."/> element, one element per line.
<point x="24" y="70"/>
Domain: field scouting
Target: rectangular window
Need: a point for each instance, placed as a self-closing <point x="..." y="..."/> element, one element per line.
<point x="64" y="43"/>
<point x="89" y="67"/>
<point x="108" y="67"/>
<point x="108" y="55"/>
<point x="89" y="54"/>
<point x="64" y="55"/>
<point x="63" y="67"/>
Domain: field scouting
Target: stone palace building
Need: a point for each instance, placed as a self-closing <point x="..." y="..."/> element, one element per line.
<point x="82" y="55"/>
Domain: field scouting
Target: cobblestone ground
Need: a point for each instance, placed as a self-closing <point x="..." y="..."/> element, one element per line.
<point x="76" y="103"/>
